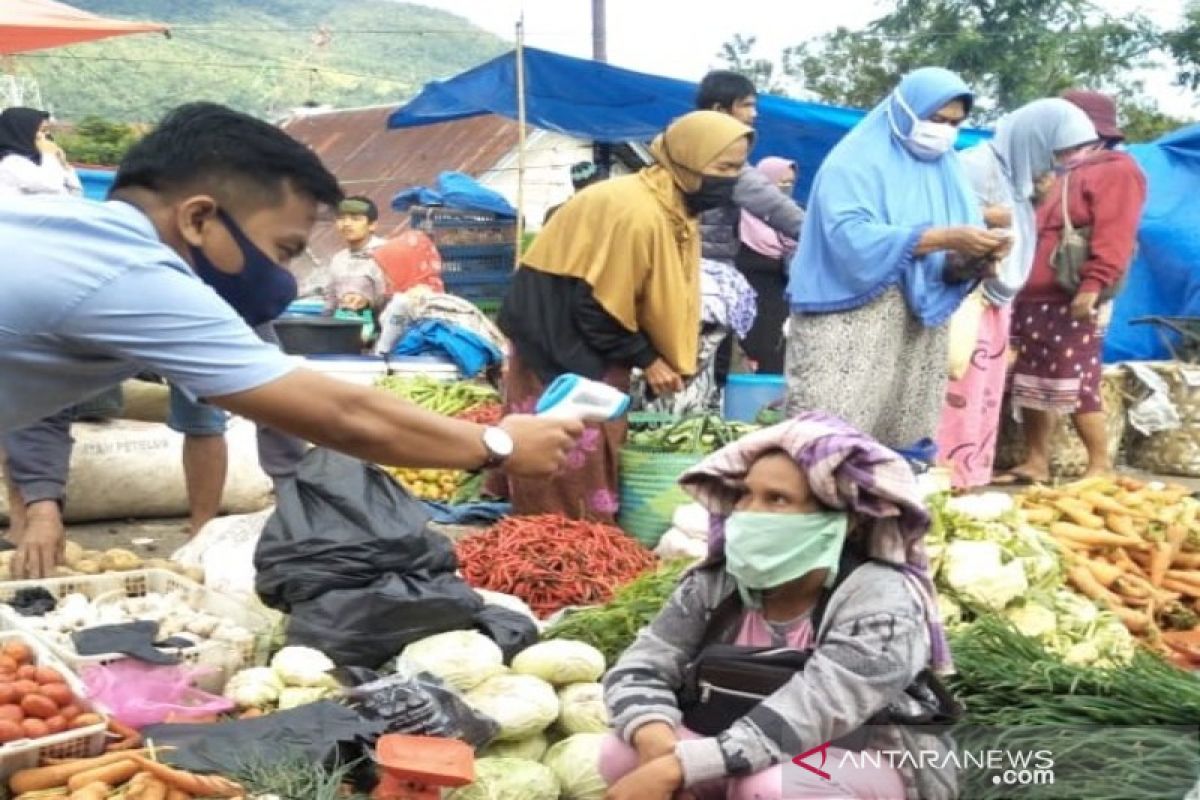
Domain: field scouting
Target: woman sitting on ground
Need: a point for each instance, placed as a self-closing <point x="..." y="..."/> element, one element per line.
<point x="817" y="545"/>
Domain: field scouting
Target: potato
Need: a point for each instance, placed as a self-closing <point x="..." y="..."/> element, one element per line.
<point x="118" y="560"/>
<point x="72" y="553"/>
<point x="64" y="572"/>
<point x="194" y="573"/>
<point x="159" y="563"/>
<point x="6" y="557"/>
<point x="88" y="567"/>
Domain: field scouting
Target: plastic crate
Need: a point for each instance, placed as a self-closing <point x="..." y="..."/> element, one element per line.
<point x="81" y="743"/>
<point x="453" y="226"/>
<point x="478" y="288"/>
<point x="460" y="259"/>
<point x="225" y="658"/>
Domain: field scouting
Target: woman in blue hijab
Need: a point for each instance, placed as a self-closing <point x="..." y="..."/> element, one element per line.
<point x="893" y="242"/>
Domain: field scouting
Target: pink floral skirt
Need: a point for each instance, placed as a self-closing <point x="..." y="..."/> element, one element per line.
<point x="970" y="422"/>
<point x="586" y="488"/>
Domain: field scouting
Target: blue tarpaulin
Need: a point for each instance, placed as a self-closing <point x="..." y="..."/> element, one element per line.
<point x="456" y="190"/>
<point x="608" y="104"/>
<point x="1165" y="277"/>
<point x="604" y="103"/>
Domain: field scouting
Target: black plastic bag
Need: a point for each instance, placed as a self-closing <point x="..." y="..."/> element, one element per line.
<point x="420" y="704"/>
<point x="511" y="630"/>
<point x="366" y="626"/>
<point x="341" y="524"/>
<point x="325" y="732"/>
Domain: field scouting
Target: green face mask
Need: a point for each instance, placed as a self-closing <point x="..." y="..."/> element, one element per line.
<point x="764" y="550"/>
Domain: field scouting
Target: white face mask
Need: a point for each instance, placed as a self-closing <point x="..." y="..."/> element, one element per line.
<point x="927" y="140"/>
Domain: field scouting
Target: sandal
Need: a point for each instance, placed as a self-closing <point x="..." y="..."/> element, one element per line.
<point x="1013" y="478"/>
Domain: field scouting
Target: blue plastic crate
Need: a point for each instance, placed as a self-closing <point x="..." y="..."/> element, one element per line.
<point x="477" y="259"/>
<point x="477" y="287"/>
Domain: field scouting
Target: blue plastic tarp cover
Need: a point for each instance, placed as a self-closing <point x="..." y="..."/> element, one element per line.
<point x="456" y="190"/>
<point x="470" y="353"/>
<point x="604" y="103"/>
<point x="1165" y="277"/>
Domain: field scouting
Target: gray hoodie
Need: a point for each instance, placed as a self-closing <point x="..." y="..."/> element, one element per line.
<point x="756" y="194"/>
<point x="870" y="647"/>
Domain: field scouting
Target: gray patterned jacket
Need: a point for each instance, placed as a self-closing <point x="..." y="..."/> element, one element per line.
<point x="756" y="194"/>
<point x="871" y="645"/>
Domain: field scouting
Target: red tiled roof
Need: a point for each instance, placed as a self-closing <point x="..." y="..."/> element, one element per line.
<point x="371" y="160"/>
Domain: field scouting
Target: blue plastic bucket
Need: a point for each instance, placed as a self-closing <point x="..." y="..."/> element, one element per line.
<point x="746" y="395"/>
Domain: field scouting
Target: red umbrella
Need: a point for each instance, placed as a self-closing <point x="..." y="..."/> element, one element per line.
<point x="41" y="24"/>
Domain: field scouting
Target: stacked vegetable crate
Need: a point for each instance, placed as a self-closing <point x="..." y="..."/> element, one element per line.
<point x="72" y="743"/>
<point x="221" y="658"/>
<point x="477" y="250"/>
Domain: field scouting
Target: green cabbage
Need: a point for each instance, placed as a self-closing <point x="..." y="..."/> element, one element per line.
<point x="521" y="704"/>
<point x="575" y="761"/>
<point x="583" y="709"/>
<point x="463" y="659"/>
<point x="561" y="662"/>
<point x="509" y="779"/>
<point x="531" y="749"/>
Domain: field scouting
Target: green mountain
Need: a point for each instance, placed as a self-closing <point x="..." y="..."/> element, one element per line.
<point x="261" y="56"/>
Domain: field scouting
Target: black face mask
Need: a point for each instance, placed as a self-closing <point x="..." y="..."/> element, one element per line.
<point x="714" y="192"/>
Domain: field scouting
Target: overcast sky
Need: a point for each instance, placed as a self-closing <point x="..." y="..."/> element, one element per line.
<point x="680" y="38"/>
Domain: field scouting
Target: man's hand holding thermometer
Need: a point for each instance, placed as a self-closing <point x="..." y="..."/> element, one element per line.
<point x="527" y="446"/>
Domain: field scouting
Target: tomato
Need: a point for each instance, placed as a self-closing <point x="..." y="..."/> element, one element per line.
<point x="60" y="693"/>
<point x="40" y="706"/>
<point x="47" y="675"/>
<point x="27" y="672"/>
<point x="12" y="713"/>
<point x="8" y="664"/>
<point x="35" y="728"/>
<point x="56" y="724"/>
<point x="10" y="731"/>
<point x="18" y="651"/>
<point x="69" y="712"/>
<point x="24" y="687"/>
<point x="8" y="693"/>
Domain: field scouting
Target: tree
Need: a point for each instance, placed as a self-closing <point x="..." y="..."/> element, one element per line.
<point x="98" y="141"/>
<point x="1009" y="51"/>
<point x="738" y="55"/>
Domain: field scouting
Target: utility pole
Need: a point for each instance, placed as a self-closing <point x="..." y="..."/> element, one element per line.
<point x="601" y="151"/>
<point x="599" y="31"/>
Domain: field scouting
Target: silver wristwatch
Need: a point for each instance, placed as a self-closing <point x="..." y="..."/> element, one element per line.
<point x="499" y="446"/>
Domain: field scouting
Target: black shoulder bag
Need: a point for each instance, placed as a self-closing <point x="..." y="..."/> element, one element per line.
<point x="727" y="681"/>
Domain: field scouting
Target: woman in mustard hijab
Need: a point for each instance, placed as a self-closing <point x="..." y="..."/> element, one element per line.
<point x="612" y="283"/>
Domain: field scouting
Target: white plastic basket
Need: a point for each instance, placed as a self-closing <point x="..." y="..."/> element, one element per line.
<point x="81" y="743"/>
<point x="223" y="658"/>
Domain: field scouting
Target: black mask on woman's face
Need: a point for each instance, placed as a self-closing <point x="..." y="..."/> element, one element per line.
<point x="715" y="192"/>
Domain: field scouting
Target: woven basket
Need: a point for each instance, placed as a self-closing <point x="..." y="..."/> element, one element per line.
<point x="1174" y="452"/>
<point x="1068" y="457"/>
<point x="650" y="491"/>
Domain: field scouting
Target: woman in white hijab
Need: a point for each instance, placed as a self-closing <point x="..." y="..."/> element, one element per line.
<point x="1003" y="173"/>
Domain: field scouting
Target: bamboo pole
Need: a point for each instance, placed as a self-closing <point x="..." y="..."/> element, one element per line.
<point x="520" y="140"/>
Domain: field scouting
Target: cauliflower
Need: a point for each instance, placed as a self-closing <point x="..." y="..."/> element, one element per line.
<point x="987" y="506"/>
<point x="302" y="666"/>
<point x="293" y="696"/>
<point x="948" y="610"/>
<point x="1033" y="620"/>
<point x="256" y="687"/>
<point x="974" y="570"/>
<point x="1081" y="654"/>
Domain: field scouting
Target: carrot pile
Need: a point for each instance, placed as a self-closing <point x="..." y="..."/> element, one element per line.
<point x="1133" y="547"/>
<point x="552" y="562"/>
<point x="131" y="772"/>
<point x="485" y="414"/>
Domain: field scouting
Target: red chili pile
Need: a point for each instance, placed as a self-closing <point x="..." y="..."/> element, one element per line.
<point x="485" y="414"/>
<point x="552" y="562"/>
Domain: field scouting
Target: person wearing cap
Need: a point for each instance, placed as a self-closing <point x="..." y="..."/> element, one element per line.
<point x="1060" y="331"/>
<point x="583" y="175"/>
<point x="354" y="281"/>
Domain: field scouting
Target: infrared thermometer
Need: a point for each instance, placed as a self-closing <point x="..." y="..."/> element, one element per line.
<point x="576" y="397"/>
